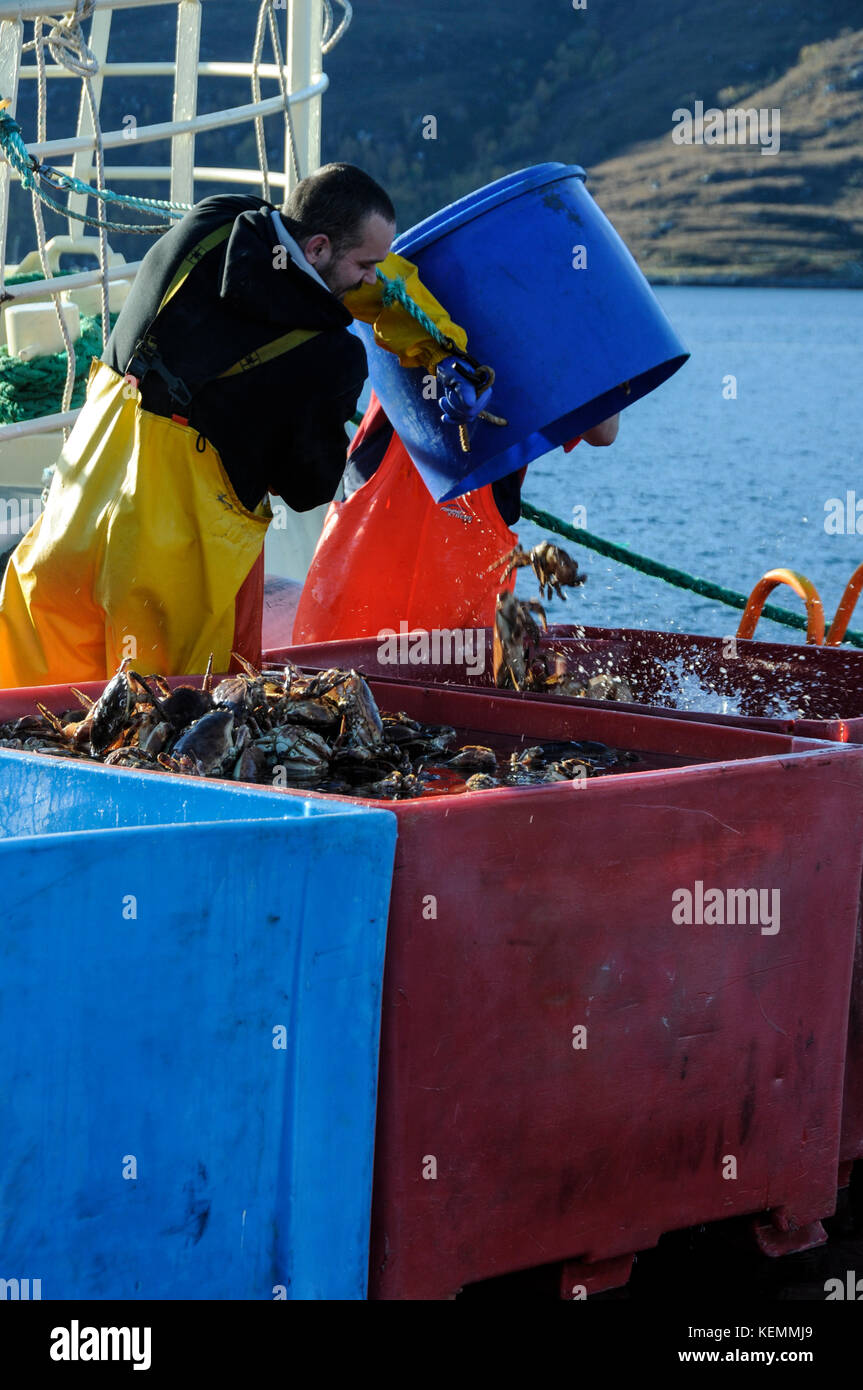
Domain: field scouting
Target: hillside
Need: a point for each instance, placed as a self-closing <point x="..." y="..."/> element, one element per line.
<point x="708" y="212"/>
<point x="511" y="85"/>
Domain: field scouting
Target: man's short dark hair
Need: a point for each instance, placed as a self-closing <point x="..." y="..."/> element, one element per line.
<point x="335" y="200"/>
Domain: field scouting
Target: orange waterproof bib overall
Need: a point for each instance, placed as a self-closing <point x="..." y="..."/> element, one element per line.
<point x="390" y="554"/>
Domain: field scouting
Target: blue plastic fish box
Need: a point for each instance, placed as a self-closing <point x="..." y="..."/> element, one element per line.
<point x="190" y="993"/>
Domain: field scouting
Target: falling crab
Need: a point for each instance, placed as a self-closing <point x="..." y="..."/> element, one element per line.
<point x="516" y="638"/>
<point x="553" y="567"/>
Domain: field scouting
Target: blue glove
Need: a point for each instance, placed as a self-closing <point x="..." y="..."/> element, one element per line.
<point x="459" y="400"/>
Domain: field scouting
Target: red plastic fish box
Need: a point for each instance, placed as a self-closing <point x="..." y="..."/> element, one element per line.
<point x="777" y="687"/>
<point x="576" y="1057"/>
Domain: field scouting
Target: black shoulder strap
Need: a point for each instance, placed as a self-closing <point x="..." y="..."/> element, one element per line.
<point x="147" y="357"/>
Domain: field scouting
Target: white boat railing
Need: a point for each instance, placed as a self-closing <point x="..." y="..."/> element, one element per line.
<point x="12" y="9"/>
<point x="40" y="289"/>
<point x="211" y="120"/>
<point x="304" y="81"/>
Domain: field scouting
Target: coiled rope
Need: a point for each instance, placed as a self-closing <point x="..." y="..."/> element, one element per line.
<point x="31" y="389"/>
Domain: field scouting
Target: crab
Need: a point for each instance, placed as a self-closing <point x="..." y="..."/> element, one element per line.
<point x="315" y="686"/>
<point x="301" y="752"/>
<point x="423" y="742"/>
<point x="475" y="758"/>
<point x="395" y="786"/>
<point x="154" y="734"/>
<point x="552" y="565"/>
<point x="185" y="765"/>
<point x="249" y="766"/>
<point x="599" y="687"/>
<point x="362" y="732"/>
<point x="56" y="730"/>
<point x="481" y="782"/>
<point x="516" y="634"/>
<point x="121" y="710"/>
<point x="130" y="757"/>
<point x="212" y="743"/>
<point x="243" y="693"/>
<point x="182" y="705"/>
<point x="318" y="714"/>
<point x="112" y="709"/>
<point x="530" y="759"/>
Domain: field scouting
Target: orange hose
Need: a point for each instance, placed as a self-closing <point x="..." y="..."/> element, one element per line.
<point x="803" y="588"/>
<point x="847" y="603"/>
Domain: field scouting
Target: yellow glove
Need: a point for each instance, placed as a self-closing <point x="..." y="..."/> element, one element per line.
<point x="394" y="328"/>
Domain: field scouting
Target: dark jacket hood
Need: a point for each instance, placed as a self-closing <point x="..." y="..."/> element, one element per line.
<point x="257" y="288"/>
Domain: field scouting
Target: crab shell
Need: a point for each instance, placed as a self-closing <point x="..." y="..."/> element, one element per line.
<point x="111" y="710"/>
<point x="300" y="751"/>
<point x="210" y="742"/>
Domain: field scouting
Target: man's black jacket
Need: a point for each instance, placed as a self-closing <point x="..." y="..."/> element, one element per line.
<point x="280" y="426"/>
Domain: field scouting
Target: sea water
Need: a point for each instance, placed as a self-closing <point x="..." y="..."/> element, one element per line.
<point x="726" y="471"/>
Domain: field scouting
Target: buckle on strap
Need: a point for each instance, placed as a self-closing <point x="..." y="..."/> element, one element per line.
<point x="146" y="357"/>
<point x="141" y="360"/>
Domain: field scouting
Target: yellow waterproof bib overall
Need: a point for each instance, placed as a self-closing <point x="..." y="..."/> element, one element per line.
<point x="143" y="545"/>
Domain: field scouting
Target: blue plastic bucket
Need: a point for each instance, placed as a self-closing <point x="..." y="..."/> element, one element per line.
<point x="190" y="995"/>
<point x="569" y="346"/>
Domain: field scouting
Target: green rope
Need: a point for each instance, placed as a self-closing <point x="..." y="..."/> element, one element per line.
<point x="679" y="578"/>
<point x="31" y="170"/>
<point x="395" y="291"/>
<point x="31" y="389"/>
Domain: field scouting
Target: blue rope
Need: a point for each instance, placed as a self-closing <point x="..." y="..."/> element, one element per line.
<point x="30" y="170"/>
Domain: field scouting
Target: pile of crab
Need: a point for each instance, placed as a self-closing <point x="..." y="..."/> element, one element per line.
<point x="320" y="731"/>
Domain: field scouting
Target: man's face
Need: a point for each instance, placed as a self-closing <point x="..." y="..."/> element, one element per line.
<point x="354" y="267"/>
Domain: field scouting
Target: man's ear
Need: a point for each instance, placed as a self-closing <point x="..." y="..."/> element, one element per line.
<point x="316" y="246"/>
